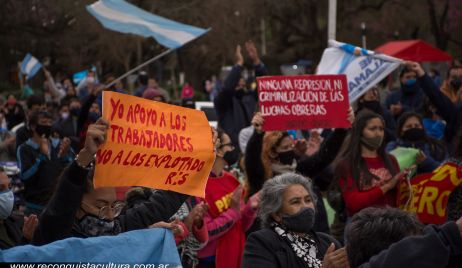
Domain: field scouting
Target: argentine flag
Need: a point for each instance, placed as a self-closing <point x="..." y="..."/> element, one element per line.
<point x="363" y="68"/>
<point x="121" y="16"/>
<point x="30" y="66"/>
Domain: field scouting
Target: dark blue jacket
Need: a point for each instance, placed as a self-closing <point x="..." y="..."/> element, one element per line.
<point x="411" y="100"/>
<point x="450" y="112"/>
<point x="433" y="157"/>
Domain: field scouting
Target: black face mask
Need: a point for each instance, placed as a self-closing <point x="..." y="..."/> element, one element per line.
<point x="93" y="226"/>
<point x="75" y="111"/>
<point x="301" y="222"/>
<point x="456" y="84"/>
<point x="414" y="134"/>
<point x="93" y="117"/>
<point x="231" y="157"/>
<point x="43" y="130"/>
<point x="286" y="158"/>
<point x="371" y="105"/>
<point x="409" y="89"/>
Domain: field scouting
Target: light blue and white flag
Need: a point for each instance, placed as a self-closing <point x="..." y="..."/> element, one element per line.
<point x="363" y="68"/>
<point x="121" y="16"/>
<point x="30" y="66"/>
<point x="148" y="246"/>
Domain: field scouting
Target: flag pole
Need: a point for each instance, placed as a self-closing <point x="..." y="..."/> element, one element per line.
<point x="139" y="67"/>
<point x="332" y="20"/>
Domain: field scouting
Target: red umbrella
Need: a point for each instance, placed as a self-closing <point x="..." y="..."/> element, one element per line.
<point x="413" y="50"/>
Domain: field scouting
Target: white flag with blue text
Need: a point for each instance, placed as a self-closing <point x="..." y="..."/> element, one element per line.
<point x="121" y="16"/>
<point x="363" y="68"/>
<point x="30" y="66"/>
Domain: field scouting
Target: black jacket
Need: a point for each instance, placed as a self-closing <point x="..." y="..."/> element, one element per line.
<point x="265" y="248"/>
<point x="57" y="220"/>
<point x="439" y="246"/>
<point x="13" y="230"/>
<point x="40" y="173"/>
<point x="68" y="128"/>
<point x="450" y="112"/>
<point x="235" y="108"/>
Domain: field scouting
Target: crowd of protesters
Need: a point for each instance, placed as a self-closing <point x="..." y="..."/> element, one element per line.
<point x="273" y="183"/>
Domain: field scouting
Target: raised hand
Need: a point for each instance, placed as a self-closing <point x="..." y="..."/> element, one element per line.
<point x="96" y="135"/>
<point x="252" y="52"/>
<point x="239" y="57"/>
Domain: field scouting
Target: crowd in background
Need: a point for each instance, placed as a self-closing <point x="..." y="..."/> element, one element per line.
<point x="273" y="183"/>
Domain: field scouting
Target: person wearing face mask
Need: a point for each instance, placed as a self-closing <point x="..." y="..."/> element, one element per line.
<point x="371" y="101"/>
<point x="79" y="210"/>
<point x="68" y="123"/>
<point x="453" y="83"/>
<point x="278" y="154"/>
<point x="11" y="234"/>
<point x="287" y="212"/>
<point x="228" y="216"/>
<point x="411" y="134"/>
<point x="40" y="162"/>
<point x="273" y="153"/>
<point x="364" y="172"/>
<point x="408" y="98"/>
<point x="34" y="103"/>
<point x="89" y="113"/>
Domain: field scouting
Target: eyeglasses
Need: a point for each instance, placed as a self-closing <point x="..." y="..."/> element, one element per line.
<point x="103" y="212"/>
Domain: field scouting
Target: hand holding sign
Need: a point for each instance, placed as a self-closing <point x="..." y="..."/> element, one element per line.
<point x="257" y="122"/>
<point x="351" y="115"/>
<point x="96" y="136"/>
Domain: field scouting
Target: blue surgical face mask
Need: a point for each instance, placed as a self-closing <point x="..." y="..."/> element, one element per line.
<point x="54" y="142"/>
<point x="410" y="82"/>
<point x="6" y="204"/>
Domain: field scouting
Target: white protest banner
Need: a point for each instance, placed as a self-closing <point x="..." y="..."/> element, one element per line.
<point x="363" y="68"/>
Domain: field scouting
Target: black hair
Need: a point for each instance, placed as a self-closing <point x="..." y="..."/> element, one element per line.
<point x="453" y="67"/>
<point x="405" y="70"/>
<point x="34" y="100"/>
<point x="34" y="118"/>
<point x="437" y="149"/>
<point x="374" y="229"/>
<point x="63" y="104"/>
<point x="143" y="79"/>
<point x="350" y="160"/>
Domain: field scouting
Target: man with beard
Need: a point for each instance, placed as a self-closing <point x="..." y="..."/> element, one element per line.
<point x="453" y="83"/>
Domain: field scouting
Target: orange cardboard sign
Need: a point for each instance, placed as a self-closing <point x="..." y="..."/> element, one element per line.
<point x="155" y="145"/>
